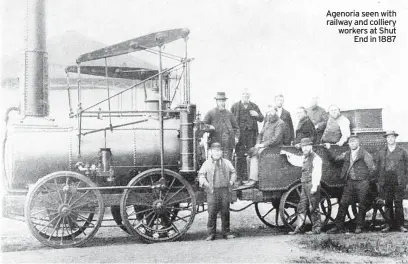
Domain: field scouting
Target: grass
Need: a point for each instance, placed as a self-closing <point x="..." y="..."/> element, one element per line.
<point x="369" y="244"/>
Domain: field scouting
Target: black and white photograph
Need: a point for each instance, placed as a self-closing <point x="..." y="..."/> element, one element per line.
<point x="236" y="131"/>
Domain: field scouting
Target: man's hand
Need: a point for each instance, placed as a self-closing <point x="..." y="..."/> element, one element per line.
<point x="211" y="127"/>
<point x="206" y="185"/>
<point x="340" y="143"/>
<point x="253" y="113"/>
<point x="232" y="183"/>
<point x="259" y="146"/>
<point x="284" y="152"/>
<point x="327" y="145"/>
<point x="236" y="140"/>
<point x="313" y="190"/>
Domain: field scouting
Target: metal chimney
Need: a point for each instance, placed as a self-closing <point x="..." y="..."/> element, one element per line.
<point x="35" y="87"/>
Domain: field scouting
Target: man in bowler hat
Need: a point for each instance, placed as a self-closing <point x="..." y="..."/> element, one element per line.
<point x="223" y="125"/>
<point x="311" y="165"/>
<point x="392" y="167"/>
<point x="217" y="176"/>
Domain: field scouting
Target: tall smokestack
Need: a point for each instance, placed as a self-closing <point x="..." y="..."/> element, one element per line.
<point x="35" y="87"/>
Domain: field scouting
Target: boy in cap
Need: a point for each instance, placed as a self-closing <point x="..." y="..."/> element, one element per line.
<point x="357" y="171"/>
<point x="224" y="126"/>
<point x="392" y="165"/>
<point x="217" y="176"/>
<point x="311" y="165"/>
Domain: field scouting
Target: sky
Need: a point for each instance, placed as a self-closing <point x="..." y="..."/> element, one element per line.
<point x="268" y="46"/>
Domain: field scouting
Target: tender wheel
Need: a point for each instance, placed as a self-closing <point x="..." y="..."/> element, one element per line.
<point x="162" y="209"/>
<point x="60" y="212"/>
<point x="115" y="211"/>
<point x="268" y="213"/>
<point x="290" y="200"/>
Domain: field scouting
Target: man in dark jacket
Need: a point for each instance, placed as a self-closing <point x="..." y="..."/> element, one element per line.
<point x="392" y="166"/>
<point x="305" y="127"/>
<point x="358" y="170"/>
<point x="224" y="126"/>
<point x="271" y="135"/>
<point x="319" y="117"/>
<point x="247" y="115"/>
<point x="285" y="116"/>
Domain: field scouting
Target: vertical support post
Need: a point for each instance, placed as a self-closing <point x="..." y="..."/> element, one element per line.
<point x="107" y="87"/>
<point x="185" y="69"/>
<point x="161" y="113"/>
<point x="79" y="110"/>
<point x="69" y="94"/>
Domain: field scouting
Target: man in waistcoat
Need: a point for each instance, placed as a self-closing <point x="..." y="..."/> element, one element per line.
<point x="319" y="117"/>
<point x="305" y="127"/>
<point x="217" y="176"/>
<point x="392" y="166"/>
<point x="285" y="116"/>
<point x="224" y="126"/>
<point x="247" y="115"/>
<point x="337" y="129"/>
<point x="311" y="165"/>
<point x="271" y="135"/>
<point x="358" y="170"/>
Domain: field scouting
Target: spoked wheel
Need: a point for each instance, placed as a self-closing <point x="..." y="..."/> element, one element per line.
<point x="61" y="211"/>
<point x="289" y="203"/>
<point x="115" y="211"/>
<point x="162" y="209"/>
<point x="268" y="213"/>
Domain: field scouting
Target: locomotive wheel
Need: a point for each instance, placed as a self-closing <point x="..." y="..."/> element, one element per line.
<point x="268" y="213"/>
<point x="290" y="200"/>
<point x="115" y="211"/>
<point x="163" y="211"/>
<point x="58" y="214"/>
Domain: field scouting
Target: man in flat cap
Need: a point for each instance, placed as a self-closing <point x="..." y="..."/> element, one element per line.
<point x="311" y="165"/>
<point x="337" y="128"/>
<point x="224" y="126"/>
<point x="271" y="135"/>
<point x="217" y="176"/>
<point x="392" y="166"/>
<point x="358" y="171"/>
<point x="248" y="115"/>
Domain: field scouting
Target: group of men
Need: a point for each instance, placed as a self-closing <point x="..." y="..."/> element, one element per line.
<point x="238" y="130"/>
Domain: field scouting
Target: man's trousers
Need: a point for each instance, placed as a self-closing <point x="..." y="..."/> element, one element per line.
<point x="354" y="191"/>
<point x="247" y="140"/>
<point x="393" y="194"/>
<point x="311" y="202"/>
<point x="218" y="201"/>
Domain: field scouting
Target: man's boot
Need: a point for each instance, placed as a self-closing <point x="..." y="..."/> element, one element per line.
<point x="298" y="230"/>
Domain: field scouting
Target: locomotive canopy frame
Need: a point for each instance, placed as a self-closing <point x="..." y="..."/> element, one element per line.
<point x="146" y="43"/>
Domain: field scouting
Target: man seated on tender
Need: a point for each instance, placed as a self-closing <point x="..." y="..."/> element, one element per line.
<point x="337" y="129"/>
<point x="271" y="135"/>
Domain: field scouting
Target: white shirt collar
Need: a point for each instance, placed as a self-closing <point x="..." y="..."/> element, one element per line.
<point x="391" y="149"/>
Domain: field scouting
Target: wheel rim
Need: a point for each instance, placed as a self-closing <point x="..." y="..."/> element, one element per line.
<point x="268" y="213"/>
<point x="60" y="214"/>
<point x="162" y="213"/>
<point x="288" y="206"/>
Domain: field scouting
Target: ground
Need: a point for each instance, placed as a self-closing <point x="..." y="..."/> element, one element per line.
<point x="255" y="243"/>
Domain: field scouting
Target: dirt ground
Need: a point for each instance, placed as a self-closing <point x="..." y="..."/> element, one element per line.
<point x="254" y="243"/>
